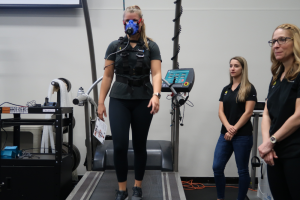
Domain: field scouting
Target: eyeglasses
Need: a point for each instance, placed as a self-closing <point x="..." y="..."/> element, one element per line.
<point x="281" y="40"/>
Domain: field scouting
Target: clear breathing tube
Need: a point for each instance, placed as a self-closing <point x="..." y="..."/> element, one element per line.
<point x="119" y="50"/>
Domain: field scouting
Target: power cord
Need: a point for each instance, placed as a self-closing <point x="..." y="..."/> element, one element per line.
<point x="173" y="105"/>
<point x="26" y="154"/>
<point x="31" y="103"/>
<point x="42" y="153"/>
<point x="189" y="185"/>
<point x="11" y="104"/>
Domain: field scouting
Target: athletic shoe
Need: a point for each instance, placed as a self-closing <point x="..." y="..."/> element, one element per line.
<point x="121" y="195"/>
<point x="137" y="193"/>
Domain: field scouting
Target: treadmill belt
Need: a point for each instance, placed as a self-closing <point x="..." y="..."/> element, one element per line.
<point x="152" y="185"/>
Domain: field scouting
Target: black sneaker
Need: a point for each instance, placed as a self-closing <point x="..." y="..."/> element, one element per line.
<point x="121" y="195"/>
<point x="137" y="193"/>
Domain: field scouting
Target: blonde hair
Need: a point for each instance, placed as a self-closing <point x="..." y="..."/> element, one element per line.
<point x="277" y="66"/>
<point x="245" y="85"/>
<point x="137" y="9"/>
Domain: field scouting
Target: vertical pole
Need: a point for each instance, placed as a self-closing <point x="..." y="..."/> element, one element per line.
<point x="1" y="181"/>
<point x="70" y="135"/>
<point x="176" y="138"/>
<point x="175" y="127"/>
<point x="16" y="139"/>
<point x="92" y="58"/>
<point x="254" y="148"/>
<point x="91" y="47"/>
<point x="176" y="29"/>
<point x="88" y="136"/>
<point x="58" y="149"/>
<point x="172" y="133"/>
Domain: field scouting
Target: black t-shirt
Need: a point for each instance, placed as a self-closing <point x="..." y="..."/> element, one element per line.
<point x="281" y="105"/>
<point x="234" y="109"/>
<point x="119" y="90"/>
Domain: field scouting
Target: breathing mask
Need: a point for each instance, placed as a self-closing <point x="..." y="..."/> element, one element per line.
<point x="132" y="27"/>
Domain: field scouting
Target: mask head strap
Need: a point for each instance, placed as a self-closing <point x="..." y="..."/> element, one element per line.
<point x="137" y="22"/>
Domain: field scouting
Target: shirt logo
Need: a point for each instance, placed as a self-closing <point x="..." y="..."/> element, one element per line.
<point x="291" y="81"/>
<point x="274" y="84"/>
<point x="225" y="92"/>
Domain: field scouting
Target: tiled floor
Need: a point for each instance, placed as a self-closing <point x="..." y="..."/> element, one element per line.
<point x="252" y="195"/>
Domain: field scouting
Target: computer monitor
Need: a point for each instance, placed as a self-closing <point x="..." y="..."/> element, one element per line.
<point x="40" y="3"/>
<point x="259" y="106"/>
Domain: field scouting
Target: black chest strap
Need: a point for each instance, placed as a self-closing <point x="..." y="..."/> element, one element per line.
<point x="140" y="68"/>
<point x="135" y="83"/>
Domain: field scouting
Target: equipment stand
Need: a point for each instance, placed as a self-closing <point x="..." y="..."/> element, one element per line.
<point x="256" y="116"/>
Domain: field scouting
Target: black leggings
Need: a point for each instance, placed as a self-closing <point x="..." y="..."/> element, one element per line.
<point x="122" y="114"/>
<point x="284" y="179"/>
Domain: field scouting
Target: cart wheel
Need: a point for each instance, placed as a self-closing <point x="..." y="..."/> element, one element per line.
<point x="75" y="152"/>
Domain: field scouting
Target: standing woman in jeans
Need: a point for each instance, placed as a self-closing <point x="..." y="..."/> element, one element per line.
<point x="133" y="99"/>
<point x="236" y="106"/>
<point x="281" y="118"/>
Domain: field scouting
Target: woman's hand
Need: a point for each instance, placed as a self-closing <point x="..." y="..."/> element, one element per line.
<point x="154" y="102"/>
<point x="101" y="111"/>
<point x="228" y="136"/>
<point x="231" y="129"/>
<point x="265" y="148"/>
<point x="269" y="157"/>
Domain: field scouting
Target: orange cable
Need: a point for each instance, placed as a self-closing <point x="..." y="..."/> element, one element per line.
<point x="189" y="185"/>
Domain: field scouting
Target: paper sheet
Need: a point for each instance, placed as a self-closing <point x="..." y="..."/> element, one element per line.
<point x="100" y="130"/>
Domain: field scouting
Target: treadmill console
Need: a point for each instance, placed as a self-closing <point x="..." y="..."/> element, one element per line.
<point x="184" y="80"/>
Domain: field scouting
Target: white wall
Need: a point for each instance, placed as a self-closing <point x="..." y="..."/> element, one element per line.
<point x="38" y="45"/>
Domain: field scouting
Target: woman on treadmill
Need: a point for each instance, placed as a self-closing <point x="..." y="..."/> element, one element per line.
<point x="236" y="106"/>
<point x="133" y="100"/>
<point x="281" y="118"/>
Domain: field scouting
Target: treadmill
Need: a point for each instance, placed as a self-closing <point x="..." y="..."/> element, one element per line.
<point x="162" y="180"/>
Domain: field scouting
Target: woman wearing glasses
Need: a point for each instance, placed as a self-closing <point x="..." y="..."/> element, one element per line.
<point x="281" y="118"/>
<point x="236" y="106"/>
<point x="133" y="100"/>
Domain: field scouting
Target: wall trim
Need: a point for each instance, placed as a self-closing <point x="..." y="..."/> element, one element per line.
<point x="208" y="9"/>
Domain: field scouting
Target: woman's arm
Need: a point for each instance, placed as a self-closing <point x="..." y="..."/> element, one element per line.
<point x="265" y="124"/>
<point x="242" y="121"/>
<point x="156" y="82"/>
<point x="105" y="86"/>
<point x="290" y="125"/>
<point x="287" y="129"/>
<point x="223" y="118"/>
<point x="246" y="116"/>
<point x="156" y="75"/>
<point x="265" y="128"/>
<point x="222" y="115"/>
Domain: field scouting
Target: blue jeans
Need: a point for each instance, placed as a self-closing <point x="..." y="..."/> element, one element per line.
<point x="241" y="146"/>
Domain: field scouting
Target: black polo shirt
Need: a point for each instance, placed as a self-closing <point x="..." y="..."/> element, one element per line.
<point x="233" y="110"/>
<point x="281" y="105"/>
